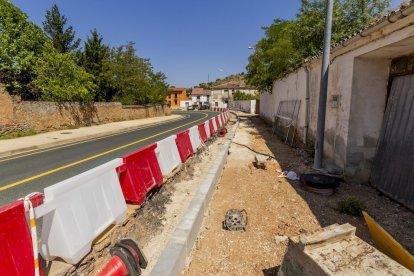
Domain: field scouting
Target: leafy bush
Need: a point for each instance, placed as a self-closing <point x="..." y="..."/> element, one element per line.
<point x="288" y="43"/>
<point x="18" y="133"/>
<point x="352" y="206"/>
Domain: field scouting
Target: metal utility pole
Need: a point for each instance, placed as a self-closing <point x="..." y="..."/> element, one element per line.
<point x="320" y="130"/>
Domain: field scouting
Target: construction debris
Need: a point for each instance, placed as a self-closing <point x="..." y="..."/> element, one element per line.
<point x="335" y="250"/>
<point x="235" y="220"/>
<point x="260" y="161"/>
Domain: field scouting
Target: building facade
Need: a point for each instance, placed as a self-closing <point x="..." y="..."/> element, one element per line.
<point x="369" y="116"/>
<point x="175" y="97"/>
<point x="222" y="95"/>
<point x="200" y="97"/>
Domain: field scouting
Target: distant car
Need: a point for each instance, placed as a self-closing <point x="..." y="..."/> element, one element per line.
<point x="204" y="107"/>
<point x="190" y="107"/>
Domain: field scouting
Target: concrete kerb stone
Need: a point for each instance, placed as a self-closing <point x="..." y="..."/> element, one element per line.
<point x="173" y="259"/>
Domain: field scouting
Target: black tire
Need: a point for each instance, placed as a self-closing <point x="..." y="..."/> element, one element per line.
<point x="320" y="181"/>
<point x="142" y="259"/>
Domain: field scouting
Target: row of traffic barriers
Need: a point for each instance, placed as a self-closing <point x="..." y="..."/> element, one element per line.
<point x="77" y="210"/>
<point x="218" y="109"/>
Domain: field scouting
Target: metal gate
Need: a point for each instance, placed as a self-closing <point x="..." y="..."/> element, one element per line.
<point x="393" y="167"/>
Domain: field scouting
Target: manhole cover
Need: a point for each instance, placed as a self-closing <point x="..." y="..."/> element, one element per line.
<point x="66" y="133"/>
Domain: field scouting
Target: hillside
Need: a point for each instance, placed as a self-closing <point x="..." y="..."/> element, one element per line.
<point x="232" y="81"/>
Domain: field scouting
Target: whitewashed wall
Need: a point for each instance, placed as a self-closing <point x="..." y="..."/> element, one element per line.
<point x="356" y="100"/>
<point x="248" y="106"/>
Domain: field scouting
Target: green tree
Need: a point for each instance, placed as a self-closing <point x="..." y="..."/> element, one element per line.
<point x="274" y="55"/>
<point x="21" y="42"/>
<point x="132" y="78"/>
<point x="61" y="80"/>
<point x="93" y="58"/>
<point x="288" y="43"/>
<point x="240" y="96"/>
<point x="63" y="38"/>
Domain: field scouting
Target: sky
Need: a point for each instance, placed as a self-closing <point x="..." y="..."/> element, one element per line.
<point x="191" y="41"/>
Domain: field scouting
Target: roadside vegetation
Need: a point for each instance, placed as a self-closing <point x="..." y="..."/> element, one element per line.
<point x="352" y="206"/>
<point x="289" y="43"/>
<point x="51" y="64"/>
<point x="240" y="96"/>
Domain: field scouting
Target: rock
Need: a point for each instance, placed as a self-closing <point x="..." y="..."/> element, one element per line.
<point x="281" y="238"/>
<point x="260" y="161"/>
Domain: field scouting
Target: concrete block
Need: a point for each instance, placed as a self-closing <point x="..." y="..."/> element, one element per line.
<point x="260" y="161"/>
<point x="335" y="250"/>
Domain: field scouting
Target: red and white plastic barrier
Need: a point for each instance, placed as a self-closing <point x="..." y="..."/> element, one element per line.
<point x="77" y="210"/>
<point x="18" y="254"/>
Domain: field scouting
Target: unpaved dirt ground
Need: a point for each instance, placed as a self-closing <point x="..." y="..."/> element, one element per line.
<point x="277" y="208"/>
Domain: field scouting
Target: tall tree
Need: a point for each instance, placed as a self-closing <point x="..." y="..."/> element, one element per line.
<point x="63" y="38"/>
<point x="21" y="43"/>
<point x="61" y="79"/>
<point x="132" y="78"/>
<point x="288" y="43"/>
<point x="93" y="57"/>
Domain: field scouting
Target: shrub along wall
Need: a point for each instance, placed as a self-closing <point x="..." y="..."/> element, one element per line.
<point x="17" y="115"/>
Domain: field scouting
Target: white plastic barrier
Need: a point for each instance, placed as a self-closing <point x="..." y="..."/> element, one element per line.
<point x="220" y="120"/>
<point x="195" y="137"/>
<point x="77" y="210"/>
<point x="214" y="125"/>
<point x="167" y="155"/>
<point x="207" y="128"/>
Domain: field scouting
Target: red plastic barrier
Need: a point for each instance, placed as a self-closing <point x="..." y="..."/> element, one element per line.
<point x="217" y="122"/>
<point x="16" y="250"/>
<point x="139" y="174"/>
<point x="210" y="124"/>
<point x="223" y="121"/>
<point x="202" y="131"/>
<point x="185" y="149"/>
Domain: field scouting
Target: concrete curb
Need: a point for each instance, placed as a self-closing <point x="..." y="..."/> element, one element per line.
<point x="173" y="259"/>
<point x="29" y="149"/>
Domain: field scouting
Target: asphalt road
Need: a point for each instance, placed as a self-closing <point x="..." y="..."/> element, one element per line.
<point x="23" y="174"/>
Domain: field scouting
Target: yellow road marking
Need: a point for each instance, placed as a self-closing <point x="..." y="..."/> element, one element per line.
<point x="85" y="141"/>
<point x="95" y="156"/>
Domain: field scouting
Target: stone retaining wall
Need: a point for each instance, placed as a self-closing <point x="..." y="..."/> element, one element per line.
<point x="17" y="115"/>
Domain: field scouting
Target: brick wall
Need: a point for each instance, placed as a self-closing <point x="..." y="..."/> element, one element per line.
<point x="46" y="116"/>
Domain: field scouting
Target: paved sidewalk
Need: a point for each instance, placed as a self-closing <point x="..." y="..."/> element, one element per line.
<point x="54" y="138"/>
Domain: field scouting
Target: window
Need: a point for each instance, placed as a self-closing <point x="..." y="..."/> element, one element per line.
<point x="175" y="95"/>
<point x="198" y="97"/>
